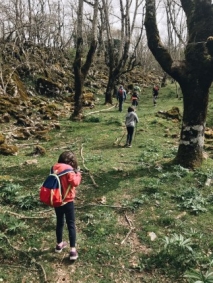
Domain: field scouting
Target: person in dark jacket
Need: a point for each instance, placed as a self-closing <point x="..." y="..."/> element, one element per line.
<point x="131" y="120"/>
<point x="155" y="92"/>
<point x="121" y="97"/>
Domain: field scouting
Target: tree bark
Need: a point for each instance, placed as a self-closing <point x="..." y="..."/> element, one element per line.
<point x="194" y="74"/>
<point x="190" y="151"/>
<point x="81" y="71"/>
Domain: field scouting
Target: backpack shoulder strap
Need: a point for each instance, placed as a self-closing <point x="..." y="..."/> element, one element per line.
<point x="64" y="172"/>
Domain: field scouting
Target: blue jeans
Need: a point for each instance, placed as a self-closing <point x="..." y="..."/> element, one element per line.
<point x="120" y="100"/>
<point x="68" y="211"/>
<point x="130" y="131"/>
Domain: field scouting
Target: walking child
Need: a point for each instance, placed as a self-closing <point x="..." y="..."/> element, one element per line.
<point x="135" y="98"/>
<point x="69" y="181"/>
<point x="131" y="120"/>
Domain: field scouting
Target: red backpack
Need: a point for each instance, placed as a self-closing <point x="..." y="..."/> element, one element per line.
<point x="120" y="92"/>
<point x="50" y="191"/>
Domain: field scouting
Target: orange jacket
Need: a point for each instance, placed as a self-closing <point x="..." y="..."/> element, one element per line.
<point x="71" y="179"/>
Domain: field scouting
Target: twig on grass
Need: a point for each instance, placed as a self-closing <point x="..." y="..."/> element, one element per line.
<point x="17" y="266"/>
<point x="29" y="144"/>
<point x="130" y="231"/>
<point x="135" y="162"/>
<point x="32" y="260"/>
<point x="21" y="216"/>
<point x="100" y="205"/>
<point x="91" y="177"/>
<point x="100" y="110"/>
<point x="128" y="220"/>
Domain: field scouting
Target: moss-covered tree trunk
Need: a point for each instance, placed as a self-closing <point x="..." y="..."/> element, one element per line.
<point x="194" y="74"/>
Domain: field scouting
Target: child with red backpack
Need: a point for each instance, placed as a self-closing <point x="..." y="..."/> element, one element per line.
<point x="69" y="182"/>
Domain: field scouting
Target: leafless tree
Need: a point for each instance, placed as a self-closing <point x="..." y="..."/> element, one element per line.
<point x="194" y="74"/>
<point x="81" y="68"/>
<point x="176" y="32"/>
<point x="120" y="53"/>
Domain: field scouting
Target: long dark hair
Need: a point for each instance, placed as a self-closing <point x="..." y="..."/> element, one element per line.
<point x="68" y="157"/>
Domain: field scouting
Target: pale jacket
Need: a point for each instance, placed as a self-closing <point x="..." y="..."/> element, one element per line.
<point x="131" y="119"/>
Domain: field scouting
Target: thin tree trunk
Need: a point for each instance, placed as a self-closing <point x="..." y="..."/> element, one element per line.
<point x="81" y="71"/>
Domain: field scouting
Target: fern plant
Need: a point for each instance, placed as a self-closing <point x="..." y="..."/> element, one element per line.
<point x="9" y="191"/>
<point x="16" y="227"/>
<point x="199" y="277"/>
<point x="178" y="252"/>
<point x="27" y="202"/>
<point x="177" y="242"/>
<point x="192" y="200"/>
<point x="175" y="256"/>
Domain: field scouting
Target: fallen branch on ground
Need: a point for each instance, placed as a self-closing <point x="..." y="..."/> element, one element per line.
<point x="91" y="177"/>
<point x="21" y="216"/>
<point x="100" y="205"/>
<point x="99" y="111"/>
<point x="130" y="231"/>
<point x="29" y="144"/>
<point x="32" y="260"/>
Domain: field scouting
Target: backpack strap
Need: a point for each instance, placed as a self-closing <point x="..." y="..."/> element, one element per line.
<point x="67" y="191"/>
<point x="64" y="172"/>
<point x="59" y="184"/>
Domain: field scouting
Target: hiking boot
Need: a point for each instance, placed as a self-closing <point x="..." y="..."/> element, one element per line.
<point x="73" y="255"/>
<point x="59" y="248"/>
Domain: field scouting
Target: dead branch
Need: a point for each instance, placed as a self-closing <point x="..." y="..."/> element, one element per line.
<point x="128" y="220"/>
<point x="99" y="205"/>
<point x="130" y="231"/>
<point x="16" y="266"/>
<point x="29" y="144"/>
<point x="28" y="217"/>
<point x="91" y="177"/>
<point x="99" y="111"/>
<point x="132" y="162"/>
<point x="127" y="236"/>
<point x="31" y="259"/>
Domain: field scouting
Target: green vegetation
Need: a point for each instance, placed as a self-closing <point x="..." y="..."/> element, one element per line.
<point x="139" y="218"/>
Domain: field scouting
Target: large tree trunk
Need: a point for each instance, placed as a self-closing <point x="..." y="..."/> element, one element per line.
<point x="190" y="151"/>
<point x="194" y="74"/>
<point x="109" y="92"/>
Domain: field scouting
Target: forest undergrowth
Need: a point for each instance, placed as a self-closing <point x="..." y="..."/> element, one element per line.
<point x="139" y="218"/>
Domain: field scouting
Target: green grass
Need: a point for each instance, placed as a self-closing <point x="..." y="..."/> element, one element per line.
<point x="127" y="195"/>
